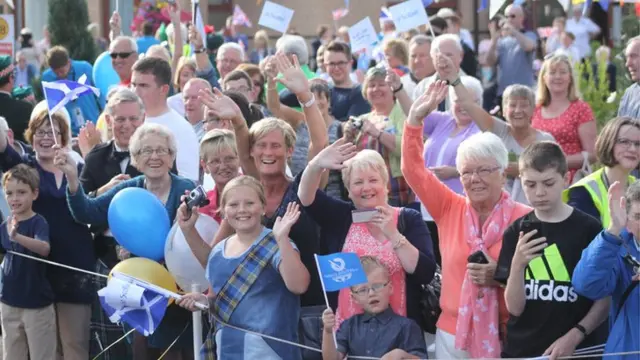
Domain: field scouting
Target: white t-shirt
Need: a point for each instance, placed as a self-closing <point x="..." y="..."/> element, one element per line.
<point x="176" y="102"/>
<point x="582" y="29"/>
<point x="187" y="158"/>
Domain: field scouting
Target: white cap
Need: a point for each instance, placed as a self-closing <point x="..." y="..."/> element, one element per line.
<point x="446" y="13"/>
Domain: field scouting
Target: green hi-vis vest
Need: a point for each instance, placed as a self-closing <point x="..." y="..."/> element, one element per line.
<point x="599" y="194"/>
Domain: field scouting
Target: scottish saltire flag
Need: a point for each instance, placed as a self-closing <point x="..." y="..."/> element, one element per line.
<point x="134" y="303"/>
<point x="385" y="13"/>
<point x="340" y="270"/>
<point x="339" y="13"/>
<point x="483" y="5"/>
<point x="59" y="93"/>
<point x="240" y="18"/>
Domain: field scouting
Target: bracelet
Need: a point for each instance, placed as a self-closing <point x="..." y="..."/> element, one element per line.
<point x="310" y="102"/>
<point x="399" y="242"/>
<point x="399" y="88"/>
<point x="200" y="51"/>
<point x="582" y="329"/>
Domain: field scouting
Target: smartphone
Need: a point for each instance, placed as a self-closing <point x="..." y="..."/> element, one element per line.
<point x="528" y="225"/>
<point x="363" y="216"/>
<point x="478" y="257"/>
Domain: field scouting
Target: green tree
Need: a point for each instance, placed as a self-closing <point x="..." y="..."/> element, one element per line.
<point x="68" y="21"/>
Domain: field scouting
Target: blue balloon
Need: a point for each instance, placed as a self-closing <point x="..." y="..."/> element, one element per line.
<point x="139" y="222"/>
<point x="104" y="76"/>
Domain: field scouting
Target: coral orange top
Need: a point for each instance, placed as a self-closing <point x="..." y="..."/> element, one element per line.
<point x="448" y="211"/>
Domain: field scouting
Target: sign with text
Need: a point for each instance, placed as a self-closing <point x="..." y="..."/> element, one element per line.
<point x="275" y="16"/>
<point x="363" y="36"/>
<point x="7" y="35"/>
<point x="409" y="15"/>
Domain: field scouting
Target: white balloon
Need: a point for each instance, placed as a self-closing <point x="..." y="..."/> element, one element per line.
<point x="182" y="264"/>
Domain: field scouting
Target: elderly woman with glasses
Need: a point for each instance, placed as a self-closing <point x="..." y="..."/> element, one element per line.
<point x="381" y="129"/>
<point x="153" y="152"/>
<point x="473" y="307"/>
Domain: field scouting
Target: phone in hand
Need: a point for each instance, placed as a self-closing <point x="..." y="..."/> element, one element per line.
<point x="528" y="225"/>
<point x="363" y="216"/>
<point x="478" y="257"/>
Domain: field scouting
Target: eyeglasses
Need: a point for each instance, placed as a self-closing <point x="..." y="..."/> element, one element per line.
<point x="121" y="55"/>
<point x="626" y="143"/>
<point x="240" y="89"/>
<point x="481" y="172"/>
<point x="365" y="290"/>
<point x="48" y="133"/>
<point x="227" y="160"/>
<point x="337" y="64"/>
<point x="159" y="151"/>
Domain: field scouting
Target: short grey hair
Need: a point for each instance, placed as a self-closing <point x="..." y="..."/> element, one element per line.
<point x="632" y="195"/>
<point x="420" y="40"/>
<point x="294" y="44"/>
<point x="519" y="91"/>
<point x="132" y="42"/>
<point x="472" y="85"/>
<point x="482" y="146"/>
<point x="365" y="159"/>
<point x="148" y="129"/>
<point x="122" y="95"/>
<point x="437" y="42"/>
<point x="230" y="46"/>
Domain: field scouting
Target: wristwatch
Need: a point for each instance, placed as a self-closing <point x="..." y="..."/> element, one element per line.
<point x="200" y="51"/>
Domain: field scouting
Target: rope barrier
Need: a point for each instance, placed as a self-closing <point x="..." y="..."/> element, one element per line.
<point x="584" y="353"/>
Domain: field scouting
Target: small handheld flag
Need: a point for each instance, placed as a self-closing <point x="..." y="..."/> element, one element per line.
<point x="340" y="270"/>
<point x="338" y="14"/>
<point x="139" y="304"/>
<point x="240" y="18"/>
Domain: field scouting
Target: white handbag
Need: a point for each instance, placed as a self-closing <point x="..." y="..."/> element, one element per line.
<point x="586" y="169"/>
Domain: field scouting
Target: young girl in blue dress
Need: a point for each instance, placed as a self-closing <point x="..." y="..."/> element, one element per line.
<point x="270" y="304"/>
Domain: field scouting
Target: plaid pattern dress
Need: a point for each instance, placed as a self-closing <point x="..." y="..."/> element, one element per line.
<point x="103" y="331"/>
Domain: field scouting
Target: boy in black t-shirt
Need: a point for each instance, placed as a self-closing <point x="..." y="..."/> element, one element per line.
<point x="538" y="256"/>
<point x="28" y="318"/>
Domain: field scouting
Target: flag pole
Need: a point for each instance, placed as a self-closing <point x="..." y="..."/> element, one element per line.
<point x="53" y="128"/>
<point x="326" y="299"/>
<point x="197" y="327"/>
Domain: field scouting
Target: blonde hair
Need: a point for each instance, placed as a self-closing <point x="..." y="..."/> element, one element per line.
<point x="184" y="62"/>
<point x="543" y="95"/>
<point x="145" y="130"/>
<point x="371" y="263"/>
<point x="366" y="159"/>
<point x="240" y="181"/>
<point x="261" y="35"/>
<point x="216" y="140"/>
<point x="399" y="49"/>
<point x="261" y="128"/>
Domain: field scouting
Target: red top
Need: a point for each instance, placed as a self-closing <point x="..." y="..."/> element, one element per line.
<point x="564" y="128"/>
<point x="212" y="208"/>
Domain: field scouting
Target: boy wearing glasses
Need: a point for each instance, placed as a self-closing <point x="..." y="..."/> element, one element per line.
<point x="378" y="332"/>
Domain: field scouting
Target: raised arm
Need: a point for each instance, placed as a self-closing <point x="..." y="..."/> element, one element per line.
<point x="435" y="196"/>
<point x="204" y="69"/>
<point x="295" y="80"/>
<point x="174" y="14"/>
<point x="294" y="274"/>
<point x="291" y="116"/>
<point x="331" y="158"/>
<point x="225" y="109"/>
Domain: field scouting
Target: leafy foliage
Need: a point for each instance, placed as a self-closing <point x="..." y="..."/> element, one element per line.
<point x="68" y="21"/>
<point x="594" y="88"/>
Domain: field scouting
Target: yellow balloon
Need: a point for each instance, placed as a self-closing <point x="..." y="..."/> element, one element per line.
<point x="147" y="270"/>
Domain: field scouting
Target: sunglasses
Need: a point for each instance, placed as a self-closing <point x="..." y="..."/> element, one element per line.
<point x="121" y="55"/>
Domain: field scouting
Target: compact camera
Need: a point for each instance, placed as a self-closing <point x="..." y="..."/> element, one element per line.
<point x="197" y="197"/>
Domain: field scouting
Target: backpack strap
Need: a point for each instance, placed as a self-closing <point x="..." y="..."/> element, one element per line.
<point x="625" y="296"/>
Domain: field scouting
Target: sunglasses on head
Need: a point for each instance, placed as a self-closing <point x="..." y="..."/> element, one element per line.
<point x="121" y="55"/>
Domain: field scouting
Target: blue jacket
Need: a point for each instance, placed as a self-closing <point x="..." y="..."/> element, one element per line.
<point x="89" y="105"/>
<point x="601" y="272"/>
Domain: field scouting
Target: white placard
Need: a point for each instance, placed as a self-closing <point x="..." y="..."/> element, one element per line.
<point x="275" y="16"/>
<point x="494" y="7"/>
<point x="120" y="294"/>
<point x="362" y="35"/>
<point x="409" y="15"/>
<point x="7" y="35"/>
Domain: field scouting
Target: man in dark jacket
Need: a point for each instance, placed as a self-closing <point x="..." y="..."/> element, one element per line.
<point x="16" y="112"/>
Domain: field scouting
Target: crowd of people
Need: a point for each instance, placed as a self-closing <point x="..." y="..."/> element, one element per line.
<point x="477" y="166"/>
